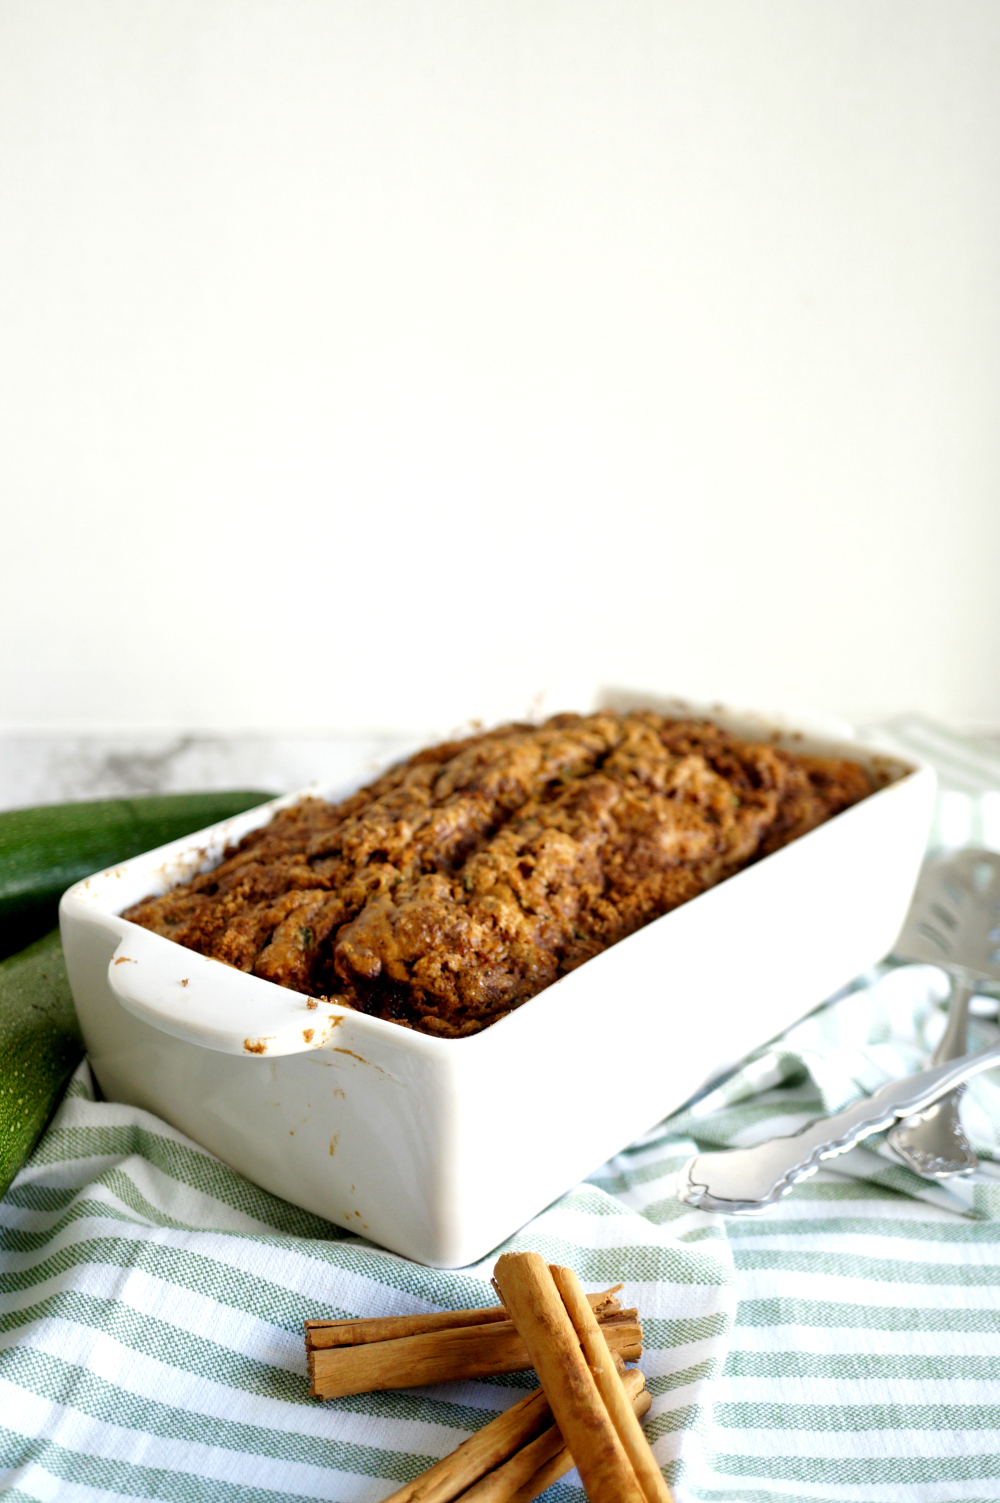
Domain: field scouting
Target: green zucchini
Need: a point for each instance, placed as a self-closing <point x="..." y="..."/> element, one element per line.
<point x="45" y="850"/>
<point x="40" y="1047"/>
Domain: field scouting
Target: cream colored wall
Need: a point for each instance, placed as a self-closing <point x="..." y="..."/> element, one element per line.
<point x="372" y="362"/>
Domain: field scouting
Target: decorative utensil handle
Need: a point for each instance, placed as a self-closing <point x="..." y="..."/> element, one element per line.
<point x="742" y="1181"/>
<point x="934" y="1143"/>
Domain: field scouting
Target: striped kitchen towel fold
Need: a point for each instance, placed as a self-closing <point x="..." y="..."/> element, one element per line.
<point x="152" y="1322"/>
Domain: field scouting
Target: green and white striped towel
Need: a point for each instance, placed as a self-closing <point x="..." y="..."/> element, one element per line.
<point x="845" y="1347"/>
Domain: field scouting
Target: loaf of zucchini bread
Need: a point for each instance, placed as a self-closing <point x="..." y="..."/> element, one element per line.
<point x="468" y="878"/>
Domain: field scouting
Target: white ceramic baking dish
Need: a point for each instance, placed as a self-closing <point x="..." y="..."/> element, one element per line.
<point x="441" y="1148"/>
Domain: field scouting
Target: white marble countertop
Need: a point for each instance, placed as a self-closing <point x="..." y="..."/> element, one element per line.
<point x="38" y="768"/>
<point x="53" y="768"/>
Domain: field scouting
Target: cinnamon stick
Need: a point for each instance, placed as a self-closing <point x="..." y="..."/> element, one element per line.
<point x="561" y="1464"/>
<point x="450" y="1477"/>
<point x="443" y="1357"/>
<point x="610" y="1386"/>
<point x="530" y="1294"/>
<point x="547" y="1454"/>
<point x="485" y="1454"/>
<point x="328" y="1333"/>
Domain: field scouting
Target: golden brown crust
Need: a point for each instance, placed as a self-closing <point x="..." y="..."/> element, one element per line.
<point x="467" y="879"/>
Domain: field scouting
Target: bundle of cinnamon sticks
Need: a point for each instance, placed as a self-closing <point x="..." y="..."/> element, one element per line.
<point x="580" y="1380"/>
<point x="586" y="1413"/>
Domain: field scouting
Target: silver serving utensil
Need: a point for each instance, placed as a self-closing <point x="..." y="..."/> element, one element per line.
<point x="742" y="1181"/>
<point x="952" y="923"/>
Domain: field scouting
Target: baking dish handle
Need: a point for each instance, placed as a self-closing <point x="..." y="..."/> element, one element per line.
<point x="205" y="1002"/>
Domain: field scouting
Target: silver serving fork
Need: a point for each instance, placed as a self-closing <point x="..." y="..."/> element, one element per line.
<point x="742" y="1181"/>
<point x="952" y="923"/>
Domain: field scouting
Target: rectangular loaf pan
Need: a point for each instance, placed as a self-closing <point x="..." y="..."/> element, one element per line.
<point x="441" y="1148"/>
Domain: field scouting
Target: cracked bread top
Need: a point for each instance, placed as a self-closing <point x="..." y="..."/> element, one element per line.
<point x="468" y="878"/>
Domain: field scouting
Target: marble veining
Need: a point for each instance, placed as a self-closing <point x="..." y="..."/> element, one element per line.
<point x="52" y="768"/>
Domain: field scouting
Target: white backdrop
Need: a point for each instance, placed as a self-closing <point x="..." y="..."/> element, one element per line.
<point x="368" y="363"/>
